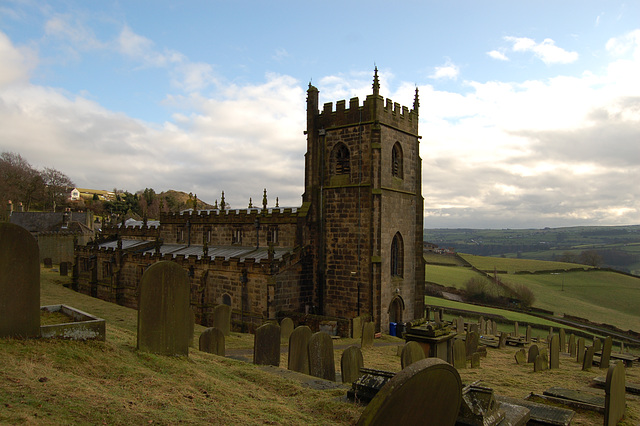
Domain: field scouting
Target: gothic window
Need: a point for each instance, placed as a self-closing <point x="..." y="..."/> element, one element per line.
<point x="397" y="256"/>
<point x="272" y="235"/>
<point x="396" y="161"/>
<point x="226" y="299"/>
<point x="340" y="157"/>
<point x="207" y="235"/>
<point x="180" y="235"/>
<point x="236" y="237"/>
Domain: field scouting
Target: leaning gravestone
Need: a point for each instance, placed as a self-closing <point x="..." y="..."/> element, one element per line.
<point x="321" y="361"/>
<point x="266" y="346"/>
<point x="471" y="343"/>
<point x="563" y="340"/>
<point x="580" y="350"/>
<point x="411" y="352"/>
<point x="350" y="364"/>
<point x="212" y="341"/>
<point x="533" y="353"/>
<point x="428" y="392"/>
<point x="606" y="352"/>
<point x="19" y="282"/>
<point x="459" y="354"/>
<point x="222" y="318"/>
<point x="299" y="349"/>
<point x="368" y="333"/>
<point x="286" y="328"/>
<point x="165" y="319"/>
<point x="587" y="361"/>
<point x="554" y="352"/>
<point x="572" y="344"/>
<point x="614" y="399"/>
<point x="521" y="357"/>
<point x="597" y="345"/>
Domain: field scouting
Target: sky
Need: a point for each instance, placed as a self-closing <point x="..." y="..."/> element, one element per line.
<point x="529" y="110"/>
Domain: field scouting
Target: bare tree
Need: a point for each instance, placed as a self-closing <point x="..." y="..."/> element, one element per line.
<point x="57" y="186"/>
<point x="19" y="181"/>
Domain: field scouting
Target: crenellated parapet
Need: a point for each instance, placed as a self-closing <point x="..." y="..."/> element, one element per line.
<point x="234" y="216"/>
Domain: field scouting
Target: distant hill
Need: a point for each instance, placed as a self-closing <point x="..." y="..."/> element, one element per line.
<point x="177" y="201"/>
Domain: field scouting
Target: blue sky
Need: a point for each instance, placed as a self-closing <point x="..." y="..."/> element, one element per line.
<point x="530" y="111"/>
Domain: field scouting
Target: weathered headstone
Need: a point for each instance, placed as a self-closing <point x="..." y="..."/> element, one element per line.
<point x="516" y="329"/>
<point x="19" y="282"/>
<point x="572" y="344"/>
<point x="321" y="361"/>
<point x="299" y="349"/>
<point x="459" y="354"/>
<point x="489" y="328"/>
<point x="502" y="340"/>
<point x="212" y="341"/>
<point x="533" y="353"/>
<point x="350" y="364"/>
<point x="614" y="400"/>
<point x="48" y="263"/>
<point x="606" y="352"/>
<point x="554" y="352"/>
<point x="587" y="361"/>
<point x="563" y="340"/>
<point x="580" y="350"/>
<point x="286" y="328"/>
<point x="266" y="346"/>
<point x="356" y="327"/>
<point x="538" y="363"/>
<point x="165" y="318"/>
<point x="428" y="392"/>
<point x="521" y="357"/>
<point x="368" y="334"/>
<point x="528" y="333"/>
<point x="483" y="326"/>
<point x="460" y="325"/>
<point x="64" y="269"/>
<point x="471" y="343"/>
<point x="597" y="344"/>
<point x="475" y="360"/>
<point x="436" y="316"/>
<point x="474" y="327"/>
<point x="411" y="353"/>
<point x="545" y="358"/>
<point x="222" y="318"/>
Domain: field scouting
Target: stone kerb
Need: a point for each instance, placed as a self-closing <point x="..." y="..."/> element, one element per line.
<point x="411" y="352"/>
<point x="350" y="364"/>
<point x="266" y="347"/>
<point x="165" y="319"/>
<point x="19" y="282"/>
<point x="212" y="341"/>
<point x="321" y="361"/>
<point x="428" y="392"/>
<point x="298" y="356"/>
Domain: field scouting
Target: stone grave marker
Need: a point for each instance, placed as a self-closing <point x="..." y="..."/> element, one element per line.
<point x="606" y="352"/>
<point x="428" y="392"/>
<point x="48" y="263"/>
<point x="411" y="353"/>
<point x="528" y="333"/>
<point x="298" y="357"/>
<point x="459" y="354"/>
<point x="165" y="318"/>
<point x="350" y="364"/>
<point x="212" y="341"/>
<point x="286" y="328"/>
<point x="475" y="327"/>
<point x="580" y="350"/>
<point x="521" y="357"/>
<point x="321" y="361"/>
<point x="563" y="340"/>
<point x="483" y="326"/>
<point x="19" y="282"/>
<point x="516" y="330"/>
<point x="545" y="358"/>
<point x="437" y="317"/>
<point x="572" y="345"/>
<point x="368" y="334"/>
<point x="597" y="344"/>
<point x="614" y="400"/>
<point x="587" y="361"/>
<point x="222" y="318"/>
<point x="533" y="353"/>
<point x="502" y="342"/>
<point x="550" y="331"/>
<point x="554" y="352"/>
<point x="490" y="327"/>
<point x="538" y="363"/>
<point x="266" y="346"/>
<point x="471" y="343"/>
<point x="475" y="360"/>
<point x="64" y="269"/>
<point x="356" y="327"/>
<point x="460" y="325"/>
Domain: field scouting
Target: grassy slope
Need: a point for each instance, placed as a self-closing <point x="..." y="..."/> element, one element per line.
<point x="489" y="264"/>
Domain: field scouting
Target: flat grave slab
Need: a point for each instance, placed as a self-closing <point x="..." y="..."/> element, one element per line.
<point x="541" y="413"/>
<point x="633" y="388"/>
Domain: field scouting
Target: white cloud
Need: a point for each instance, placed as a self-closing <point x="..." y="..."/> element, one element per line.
<point x="448" y="71"/>
<point x="495" y="54"/>
<point x="15" y="63"/>
<point x="546" y="51"/>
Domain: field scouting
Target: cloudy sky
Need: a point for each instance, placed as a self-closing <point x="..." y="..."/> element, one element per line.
<point x="530" y="110"/>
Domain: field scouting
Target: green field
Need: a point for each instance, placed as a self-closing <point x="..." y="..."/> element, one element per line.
<point x="449" y="276"/>
<point x="490" y="264"/>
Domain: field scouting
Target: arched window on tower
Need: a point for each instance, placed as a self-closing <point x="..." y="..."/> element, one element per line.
<point x="340" y="157"/>
<point x="396" y="161"/>
<point x="397" y="256"/>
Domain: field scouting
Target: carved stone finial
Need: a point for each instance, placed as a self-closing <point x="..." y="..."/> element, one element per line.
<point x="416" y="101"/>
<point x="222" y="203"/>
<point x="376" y="82"/>
<point x="250" y="203"/>
<point x="277" y="203"/>
<point x="264" y="199"/>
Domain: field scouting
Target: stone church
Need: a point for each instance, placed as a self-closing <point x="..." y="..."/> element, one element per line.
<point x="352" y="249"/>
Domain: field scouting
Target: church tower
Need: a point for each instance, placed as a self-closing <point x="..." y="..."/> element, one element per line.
<point x="363" y="190"/>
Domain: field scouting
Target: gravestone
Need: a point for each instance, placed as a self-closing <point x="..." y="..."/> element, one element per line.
<point x="516" y="329"/>
<point x="212" y="341"/>
<point x="521" y="357"/>
<point x="550" y="331"/>
<point x="528" y="333"/>
<point x="460" y="325"/>
<point x="411" y="353"/>
<point x="48" y="263"/>
<point x="437" y="316"/>
<point x="165" y="319"/>
<point x="502" y="341"/>
<point x="350" y="364"/>
<point x="356" y="327"/>
<point x="533" y="353"/>
<point x="606" y="352"/>
<point x="475" y="360"/>
<point x="538" y="363"/>
<point x="614" y="400"/>
<point x="459" y="354"/>
<point x="554" y="352"/>
<point x="222" y="318"/>
<point x="266" y="346"/>
<point x="286" y="328"/>
<point x="19" y="282"/>
<point x="597" y="344"/>
<point x="580" y="350"/>
<point x="545" y="358"/>
<point x="563" y="340"/>
<point x="321" y="361"/>
<point x="368" y="333"/>
<point x="572" y="344"/>
<point x="471" y="343"/>
<point x="489" y="328"/>
<point x="474" y="327"/>
<point x="428" y="392"/>
<point x="483" y="326"/>
<point x="299" y="349"/>
<point x="64" y="269"/>
<point x="587" y="361"/>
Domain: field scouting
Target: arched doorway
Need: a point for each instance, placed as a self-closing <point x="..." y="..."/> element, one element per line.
<point x="395" y="310"/>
